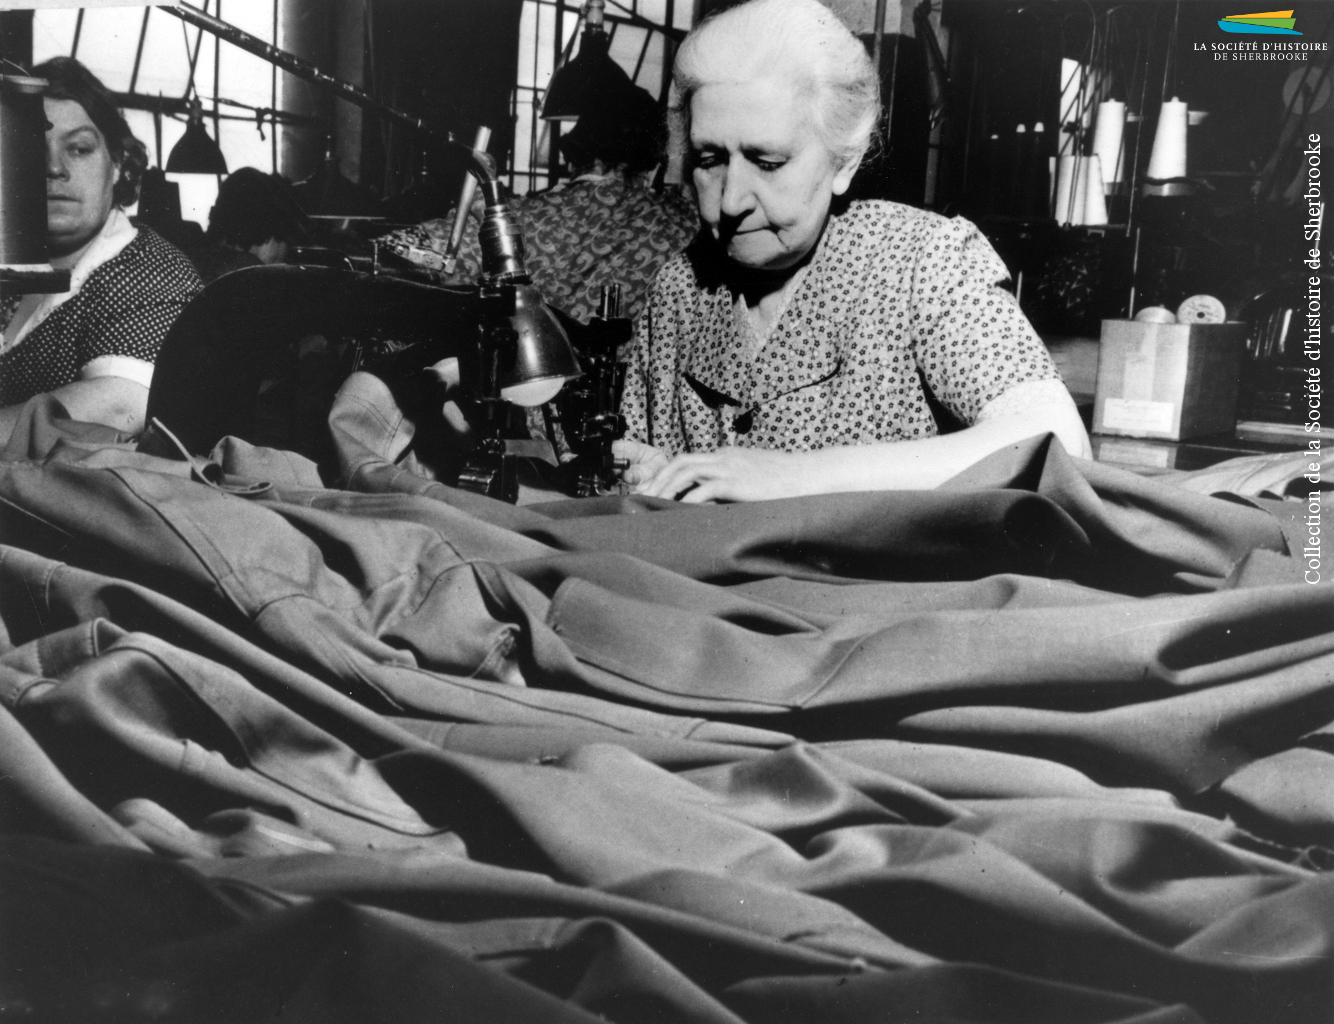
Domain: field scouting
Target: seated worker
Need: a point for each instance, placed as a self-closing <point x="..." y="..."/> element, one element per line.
<point x="791" y="350"/>
<point x="93" y="346"/>
<point x="603" y="226"/>
<point x="254" y="221"/>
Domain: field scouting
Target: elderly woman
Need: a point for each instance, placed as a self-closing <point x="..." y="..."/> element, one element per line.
<point x="793" y="348"/>
<point x="92" y="346"/>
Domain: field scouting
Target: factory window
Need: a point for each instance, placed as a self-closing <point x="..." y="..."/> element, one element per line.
<point x="546" y="30"/>
<point x="146" y="51"/>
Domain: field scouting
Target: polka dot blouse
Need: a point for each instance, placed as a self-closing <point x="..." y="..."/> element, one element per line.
<point x="125" y="308"/>
<point x="895" y="301"/>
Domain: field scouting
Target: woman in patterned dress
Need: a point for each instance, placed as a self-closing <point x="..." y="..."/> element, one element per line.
<point x="797" y="346"/>
<point x="604" y="225"/>
<point x="92" y="346"/>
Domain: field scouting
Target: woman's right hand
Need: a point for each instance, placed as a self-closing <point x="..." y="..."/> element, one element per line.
<point x="644" y="460"/>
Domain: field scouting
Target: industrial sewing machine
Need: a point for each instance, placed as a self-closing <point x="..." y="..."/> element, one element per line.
<point x="512" y="351"/>
<point x="306" y="328"/>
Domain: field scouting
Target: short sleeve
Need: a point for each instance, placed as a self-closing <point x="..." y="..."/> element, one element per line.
<point x="970" y="338"/>
<point x="131" y="304"/>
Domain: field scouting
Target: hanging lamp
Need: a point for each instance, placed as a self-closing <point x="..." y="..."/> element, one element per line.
<point x="196" y="152"/>
<point x="578" y="84"/>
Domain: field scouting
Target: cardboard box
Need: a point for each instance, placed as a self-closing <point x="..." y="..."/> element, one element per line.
<point x="1168" y="381"/>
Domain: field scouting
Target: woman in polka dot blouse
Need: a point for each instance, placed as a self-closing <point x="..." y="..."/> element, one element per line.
<point x="791" y="349"/>
<point x="93" y="346"/>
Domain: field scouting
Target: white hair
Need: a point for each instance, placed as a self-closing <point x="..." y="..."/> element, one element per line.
<point x="801" y="41"/>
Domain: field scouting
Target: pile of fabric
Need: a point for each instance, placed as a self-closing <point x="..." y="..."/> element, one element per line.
<point x="1052" y="743"/>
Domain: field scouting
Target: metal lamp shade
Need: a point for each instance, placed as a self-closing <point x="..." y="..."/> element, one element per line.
<point x="196" y="153"/>
<point x="542" y="349"/>
<point x="578" y="85"/>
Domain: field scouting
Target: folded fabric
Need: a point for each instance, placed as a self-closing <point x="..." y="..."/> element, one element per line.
<point x="1049" y="743"/>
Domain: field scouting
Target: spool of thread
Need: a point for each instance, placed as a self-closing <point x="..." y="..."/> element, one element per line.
<point x="1095" y="202"/>
<point x="1064" y="208"/>
<point x="1201" y="309"/>
<point x="1169" y="142"/>
<point x="1108" y="139"/>
<point x="1156" y="315"/>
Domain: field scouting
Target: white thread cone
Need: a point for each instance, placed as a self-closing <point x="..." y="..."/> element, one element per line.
<point x="1095" y="202"/>
<point x="1169" y="142"/>
<point x="1108" y="141"/>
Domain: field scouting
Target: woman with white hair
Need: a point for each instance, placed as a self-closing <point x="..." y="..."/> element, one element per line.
<point x="791" y="350"/>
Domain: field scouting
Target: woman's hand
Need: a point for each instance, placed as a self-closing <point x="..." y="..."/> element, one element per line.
<point x="728" y="474"/>
<point x="644" y="460"/>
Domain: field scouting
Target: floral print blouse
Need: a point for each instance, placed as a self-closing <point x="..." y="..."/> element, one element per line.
<point x="896" y="301"/>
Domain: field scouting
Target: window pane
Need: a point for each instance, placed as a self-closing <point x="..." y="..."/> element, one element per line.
<point x="546" y="30"/>
<point x="242" y="146"/>
<point x="653" y="10"/>
<point x="245" y="77"/>
<point x="108" y="42"/>
<point x="528" y="43"/>
<point x="650" y="74"/>
<point x="107" y="45"/>
<point x="523" y="131"/>
<point x="198" y="193"/>
<point x="569" y="26"/>
<point x="626" y="43"/>
<point x="165" y="66"/>
<point x="141" y="123"/>
<point x="52" y="33"/>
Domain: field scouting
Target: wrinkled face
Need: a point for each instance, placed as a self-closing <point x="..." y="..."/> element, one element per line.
<point x="764" y="178"/>
<point x="80" y="176"/>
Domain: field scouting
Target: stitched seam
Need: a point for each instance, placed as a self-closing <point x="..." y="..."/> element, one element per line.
<point x="194" y="548"/>
<point x="608" y="663"/>
<point x="324" y="800"/>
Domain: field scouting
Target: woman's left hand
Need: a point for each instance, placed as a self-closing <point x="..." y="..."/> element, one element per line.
<point x="729" y="474"/>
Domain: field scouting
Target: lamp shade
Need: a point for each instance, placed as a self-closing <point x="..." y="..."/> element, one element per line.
<point x="543" y="359"/>
<point x="578" y="86"/>
<point x="196" y="153"/>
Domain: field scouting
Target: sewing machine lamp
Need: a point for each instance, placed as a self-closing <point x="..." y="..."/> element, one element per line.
<point x="542" y="358"/>
<point x="532" y="354"/>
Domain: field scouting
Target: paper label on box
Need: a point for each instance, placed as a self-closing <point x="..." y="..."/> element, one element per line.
<point x="1133" y="414"/>
<point x="1130" y="454"/>
<point x="1141" y="364"/>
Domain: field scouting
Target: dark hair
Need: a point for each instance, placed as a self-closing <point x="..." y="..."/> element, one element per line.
<point x="626" y="129"/>
<point x="69" y="80"/>
<point x="253" y="207"/>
